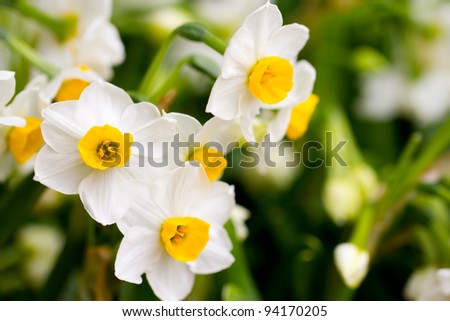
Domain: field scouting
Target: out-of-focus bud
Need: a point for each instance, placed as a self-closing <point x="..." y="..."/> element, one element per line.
<point x="352" y="263"/>
<point x="428" y="284"/>
<point x="366" y="60"/>
<point x="238" y="216"/>
<point x="164" y="20"/>
<point x="43" y="244"/>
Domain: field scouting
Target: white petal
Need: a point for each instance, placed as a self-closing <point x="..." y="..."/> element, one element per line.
<point x="216" y="256"/>
<point x="213" y="204"/>
<point x="59" y="140"/>
<point x="13" y="121"/>
<point x="61" y="172"/>
<point x="239" y="56"/>
<point x="139" y="115"/>
<point x="100" y="48"/>
<point x="143" y="212"/>
<point x="262" y="23"/>
<point x="186" y="125"/>
<point x="59" y="54"/>
<point x="279" y="126"/>
<point x="88" y="11"/>
<point x="65" y="116"/>
<point x="225" y="133"/>
<point x="304" y="78"/>
<point x="352" y="263"/>
<point x="103" y="103"/>
<point x="224" y="99"/>
<point x="106" y="194"/>
<point x="179" y="189"/>
<point x="28" y="103"/>
<point x="170" y="280"/>
<point x="287" y="41"/>
<point x="138" y="251"/>
<point x="7" y="86"/>
<point x="250" y="107"/>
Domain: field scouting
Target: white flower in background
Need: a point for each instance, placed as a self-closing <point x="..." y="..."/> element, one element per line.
<point x="88" y="147"/>
<point x="352" y="263"/>
<point x="428" y="284"/>
<point x="425" y="99"/>
<point x="174" y="231"/>
<point x="239" y="215"/>
<point x="42" y="243"/>
<point x="213" y="141"/>
<point x="94" y="42"/>
<point x="260" y="70"/>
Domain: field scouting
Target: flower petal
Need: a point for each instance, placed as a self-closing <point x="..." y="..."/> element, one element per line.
<point x="216" y="256"/>
<point x="106" y="195"/>
<point x="65" y="117"/>
<point x="137" y="116"/>
<point x="178" y="190"/>
<point x="61" y="172"/>
<point x="224" y="99"/>
<point x="287" y="41"/>
<point x="186" y="125"/>
<point x="7" y="86"/>
<point x="224" y="133"/>
<point x="13" y="121"/>
<point x="138" y="251"/>
<point x="262" y="23"/>
<point x="250" y="107"/>
<point x="103" y="103"/>
<point x="239" y="56"/>
<point x="278" y="127"/>
<point x="170" y="279"/>
<point x="58" y="139"/>
<point x="213" y="204"/>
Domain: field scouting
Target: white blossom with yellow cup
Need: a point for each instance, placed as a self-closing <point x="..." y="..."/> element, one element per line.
<point x="88" y="148"/>
<point x="174" y="231"/>
<point x="260" y="69"/>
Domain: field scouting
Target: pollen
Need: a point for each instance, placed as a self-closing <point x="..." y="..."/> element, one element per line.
<point x="184" y="238"/>
<point x="271" y="79"/>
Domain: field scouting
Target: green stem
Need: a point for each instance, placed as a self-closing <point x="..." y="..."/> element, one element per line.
<point x="28" y="53"/>
<point x="239" y="274"/>
<point x="191" y="31"/>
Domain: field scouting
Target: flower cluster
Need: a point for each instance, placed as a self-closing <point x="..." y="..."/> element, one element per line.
<point x="87" y="137"/>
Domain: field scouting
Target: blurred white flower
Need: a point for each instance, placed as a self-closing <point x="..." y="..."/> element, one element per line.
<point x="88" y="143"/>
<point x="43" y="244"/>
<point x="238" y="217"/>
<point x="174" y="231"/>
<point x="352" y="263"/>
<point x="425" y="99"/>
<point x="260" y="70"/>
<point x="94" y="42"/>
<point x="428" y="284"/>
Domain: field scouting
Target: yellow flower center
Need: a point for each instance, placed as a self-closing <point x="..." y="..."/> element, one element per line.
<point x="184" y="238"/>
<point x="271" y="79"/>
<point x="24" y="142"/>
<point x="104" y="147"/>
<point x="212" y="161"/>
<point x="71" y="89"/>
<point x="301" y="116"/>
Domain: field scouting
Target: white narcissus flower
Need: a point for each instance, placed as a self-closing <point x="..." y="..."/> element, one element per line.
<point x="352" y="263"/>
<point x="88" y="148"/>
<point x="94" y="42"/>
<point x="260" y="70"/>
<point x="238" y="217"/>
<point x="174" y="231"/>
<point x="428" y="284"/>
